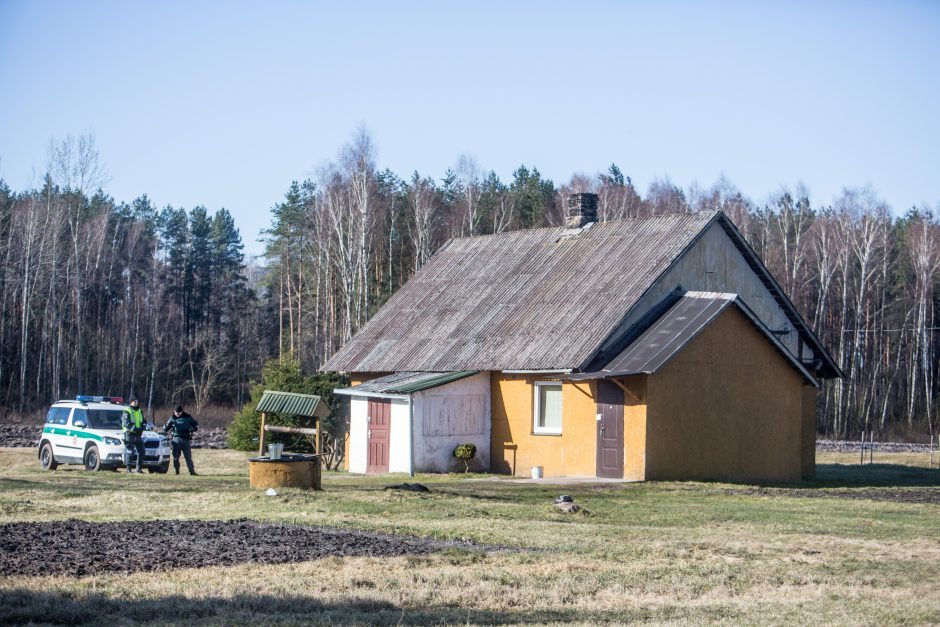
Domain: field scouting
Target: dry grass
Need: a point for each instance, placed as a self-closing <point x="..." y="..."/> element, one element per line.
<point x="653" y="552"/>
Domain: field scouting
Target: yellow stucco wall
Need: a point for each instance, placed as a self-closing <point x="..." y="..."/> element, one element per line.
<point x="809" y="432"/>
<point x="634" y="428"/>
<point x="514" y="448"/>
<point x="728" y="406"/>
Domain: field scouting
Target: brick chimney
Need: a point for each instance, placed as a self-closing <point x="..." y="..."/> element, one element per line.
<point x="582" y="210"/>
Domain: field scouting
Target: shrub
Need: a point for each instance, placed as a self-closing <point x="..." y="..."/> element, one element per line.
<point x="466" y="453"/>
<point x="285" y="375"/>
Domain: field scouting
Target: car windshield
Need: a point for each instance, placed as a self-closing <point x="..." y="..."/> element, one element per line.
<point x="104" y="418"/>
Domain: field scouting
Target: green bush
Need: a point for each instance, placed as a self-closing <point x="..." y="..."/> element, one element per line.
<point x="466" y="453"/>
<point x="285" y="375"/>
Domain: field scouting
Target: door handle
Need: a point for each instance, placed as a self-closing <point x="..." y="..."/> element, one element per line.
<point x="370" y="433"/>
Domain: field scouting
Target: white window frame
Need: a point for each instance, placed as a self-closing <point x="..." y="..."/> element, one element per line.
<point x="536" y="429"/>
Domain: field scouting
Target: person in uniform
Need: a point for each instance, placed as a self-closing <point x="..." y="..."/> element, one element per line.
<point x="182" y="426"/>
<point x="133" y="425"/>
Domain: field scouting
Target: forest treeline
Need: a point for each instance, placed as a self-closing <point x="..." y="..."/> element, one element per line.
<point x="125" y="298"/>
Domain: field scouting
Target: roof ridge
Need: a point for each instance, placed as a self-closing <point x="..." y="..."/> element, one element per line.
<point x="711" y="213"/>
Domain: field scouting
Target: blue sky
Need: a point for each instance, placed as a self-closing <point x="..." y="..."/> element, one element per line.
<point x="224" y="103"/>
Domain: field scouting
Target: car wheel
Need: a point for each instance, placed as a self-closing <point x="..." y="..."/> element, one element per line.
<point x="46" y="458"/>
<point x="159" y="470"/>
<point x="92" y="459"/>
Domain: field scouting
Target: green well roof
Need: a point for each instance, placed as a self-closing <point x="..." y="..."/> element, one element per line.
<point x="292" y="403"/>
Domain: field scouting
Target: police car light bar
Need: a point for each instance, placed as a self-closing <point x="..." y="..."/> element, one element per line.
<point x="84" y="398"/>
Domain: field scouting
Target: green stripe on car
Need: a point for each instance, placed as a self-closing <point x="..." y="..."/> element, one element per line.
<point x="72" y="433"/>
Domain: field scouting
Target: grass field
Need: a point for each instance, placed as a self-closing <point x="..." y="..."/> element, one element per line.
<point x="860" y="545"/>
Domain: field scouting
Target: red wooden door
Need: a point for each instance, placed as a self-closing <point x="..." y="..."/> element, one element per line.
<point x="378" y="427"/>
<point x="609" y="430"/>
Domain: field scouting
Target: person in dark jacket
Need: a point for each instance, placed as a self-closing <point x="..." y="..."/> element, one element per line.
<point x="182" y="426"/>
<point x="132" y="426"/>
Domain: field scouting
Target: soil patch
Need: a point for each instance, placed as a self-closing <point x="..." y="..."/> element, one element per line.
<point x="895" y="495"/>
<point x="78" y="548"/>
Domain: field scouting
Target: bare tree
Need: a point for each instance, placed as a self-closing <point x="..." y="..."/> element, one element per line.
<point x="469" y="180"/>
<point x="206" y="364"/>
<point x="76" y="167"/>
<point x="422" y="204"/>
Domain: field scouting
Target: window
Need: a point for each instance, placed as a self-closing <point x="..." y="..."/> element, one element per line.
<point x="78" y="416"/>
<point x="548" y="407"/>
<point x="105" y="418"/>
<point x="60" y="415"/>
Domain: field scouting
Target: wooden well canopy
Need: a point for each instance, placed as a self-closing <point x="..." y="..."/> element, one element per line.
<point x="305" y="405"/>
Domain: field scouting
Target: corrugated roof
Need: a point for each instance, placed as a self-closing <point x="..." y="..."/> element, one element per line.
<point x="678" y="326"/>
<point x="519" y="300"/>
<point x="292" y="403"/>
<point x="406" y="382"/>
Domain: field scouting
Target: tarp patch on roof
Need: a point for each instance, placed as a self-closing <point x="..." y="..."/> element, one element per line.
<point x="405" y="383"/>
<point x="307" y="405"/>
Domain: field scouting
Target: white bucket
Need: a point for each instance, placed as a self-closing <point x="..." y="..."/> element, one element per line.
<point x="275" y="450"/>
<point x="536" y="472"/>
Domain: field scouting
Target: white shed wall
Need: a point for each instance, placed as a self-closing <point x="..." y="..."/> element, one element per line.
<point x="399" y="445"/>
<point x="358" y="446"/>
<point x="449" y="415"/>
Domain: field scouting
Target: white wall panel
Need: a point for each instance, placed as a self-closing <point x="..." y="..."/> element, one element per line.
<point x="449" y="415"/>
<point x="358" y="445"/>
<point x="399" y="454"/>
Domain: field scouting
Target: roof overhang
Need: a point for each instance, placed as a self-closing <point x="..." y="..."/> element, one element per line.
<point x="404" y="384"/>
<point x="830" y="369"/>
<point x="352" y="391"/>
<point x="665" y="337"/>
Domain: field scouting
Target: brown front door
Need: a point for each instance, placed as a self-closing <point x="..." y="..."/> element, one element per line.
<point x="609" y="430"/>
<point x="378" y="427"/>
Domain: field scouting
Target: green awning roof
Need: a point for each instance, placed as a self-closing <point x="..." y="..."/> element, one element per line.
<point x="292" y="403"/>
<point x="403" y="383"/>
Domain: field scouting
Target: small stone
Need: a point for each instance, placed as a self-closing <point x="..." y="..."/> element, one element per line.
<point x="568" y="507"/>
<point x="271" y="492"/>
<point x="564" y="498"/>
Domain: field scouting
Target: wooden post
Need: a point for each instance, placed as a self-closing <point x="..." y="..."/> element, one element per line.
<point x="264" y="419"/>
<point x="316" y="424"/>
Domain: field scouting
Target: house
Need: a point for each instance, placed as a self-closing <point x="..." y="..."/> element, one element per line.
<point x="652" y="348"/>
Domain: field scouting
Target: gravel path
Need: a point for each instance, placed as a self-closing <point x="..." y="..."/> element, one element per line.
<point x="78" y="548"/>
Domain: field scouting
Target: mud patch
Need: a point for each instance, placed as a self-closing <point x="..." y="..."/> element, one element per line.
<point x="78" y="548"/>
<point x="895" y="495"/>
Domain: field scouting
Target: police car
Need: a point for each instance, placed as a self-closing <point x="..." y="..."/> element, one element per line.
<point x="87" y="431"/>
